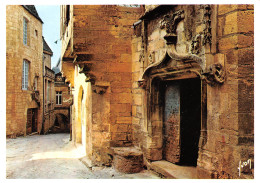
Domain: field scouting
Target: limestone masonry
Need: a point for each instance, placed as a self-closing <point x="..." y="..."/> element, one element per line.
<point x="140" y="86"/>
<point x="174" y="81"/>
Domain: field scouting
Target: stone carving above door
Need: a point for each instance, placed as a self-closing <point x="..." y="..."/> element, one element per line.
<point x="207" y="37"/>
<point x="196" y="44"/>
<point x="176" y="61"/>
<point x="170" y="23"/>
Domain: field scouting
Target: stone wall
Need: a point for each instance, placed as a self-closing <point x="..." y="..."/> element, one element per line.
<point x="230" y="106"/>
<point x="18" y="100"/>
<point x="227" y="109"/>
<point x="102" y="72"/>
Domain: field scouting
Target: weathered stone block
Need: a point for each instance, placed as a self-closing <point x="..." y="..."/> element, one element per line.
<point x="245" y="19"/>
<point x="128" y="159"/>
<point x="120" y="128"/>
<point x="119" y="136"/>
<point x="235" y="41"/>
<point x="223" y="9"/>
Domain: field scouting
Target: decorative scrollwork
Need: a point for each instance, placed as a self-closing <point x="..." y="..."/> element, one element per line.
<point x="207" y="21"/>
<point x="142" y="83"/>
<point x="196" y="44"/>
<point x="170" y="22"/>
<point x="215" y="74"/>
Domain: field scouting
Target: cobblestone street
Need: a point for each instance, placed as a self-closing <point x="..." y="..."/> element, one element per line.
<point x="53" y="156"/>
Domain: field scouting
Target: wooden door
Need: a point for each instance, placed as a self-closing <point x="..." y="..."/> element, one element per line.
<point x="34" y="120"/>
<point x="29" y="122"/>
<point x="171" y="150"/>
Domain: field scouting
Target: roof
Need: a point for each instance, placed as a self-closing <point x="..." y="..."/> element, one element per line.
<point x="31" y="9"/>
<point x="46" y="47"/>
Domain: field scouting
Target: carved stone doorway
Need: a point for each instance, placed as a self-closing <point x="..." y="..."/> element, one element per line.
<point x="182" y="121"/>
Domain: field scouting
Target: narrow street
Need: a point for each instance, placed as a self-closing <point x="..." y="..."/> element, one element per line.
<point x="53" y="156"/>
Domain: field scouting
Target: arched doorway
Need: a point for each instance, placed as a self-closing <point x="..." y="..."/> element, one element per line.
<point x="81" y="122"/>
<point x="61" y="124"/>
<point x="174" y="110"/>
<point x="181" y="120"/>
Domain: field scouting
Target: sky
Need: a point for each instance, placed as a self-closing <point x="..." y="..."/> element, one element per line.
<point x="50" y="16"/>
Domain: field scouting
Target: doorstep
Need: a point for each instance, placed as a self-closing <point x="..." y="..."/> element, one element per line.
<point x="172" y="171"/>
<point x="33" y="133"/>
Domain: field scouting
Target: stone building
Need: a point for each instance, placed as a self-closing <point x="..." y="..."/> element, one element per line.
<point x="96" y="60"/>
<point x="62" y="104"/>
<point x="28" y="62"/>
<point x="178" y="85"/>
<point x="49" y="91"/>
<point x="24" y="61"/>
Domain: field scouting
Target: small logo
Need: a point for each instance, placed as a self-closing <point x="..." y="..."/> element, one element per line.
<point x="243" y="165"/>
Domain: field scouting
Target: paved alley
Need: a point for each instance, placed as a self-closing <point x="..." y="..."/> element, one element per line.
<point x="53" y="156"/>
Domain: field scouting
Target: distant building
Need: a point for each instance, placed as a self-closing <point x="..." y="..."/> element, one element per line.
<point x="62" y="103"/>
<point x="48" y="85"/>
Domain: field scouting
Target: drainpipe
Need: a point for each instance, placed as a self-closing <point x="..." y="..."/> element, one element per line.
<point x="43" y="76"/>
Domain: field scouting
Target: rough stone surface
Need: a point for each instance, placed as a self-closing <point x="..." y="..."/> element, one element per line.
<point x="101" y="40"/>
<point x="128" y="159"/>
<point x="229" y="107"/>
<point x="121" y="81"/>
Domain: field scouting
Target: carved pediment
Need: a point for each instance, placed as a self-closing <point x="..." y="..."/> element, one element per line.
<point x="177" y="58"/>
<point x="171" y="64"/>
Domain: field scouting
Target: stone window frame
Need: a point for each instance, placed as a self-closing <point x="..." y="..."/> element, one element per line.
<point x="58" y="97"/>
<point x="25" y="74"/>
<point x="25" y="32"/>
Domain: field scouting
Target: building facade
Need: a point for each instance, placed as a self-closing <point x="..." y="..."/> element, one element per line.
<point x="24" y="83"/>
<point x="29" y="78"/>
<point x="62" y="104"/>
<point x="96" y="60"/>
<point x="175" y="81"/>
<point x="49" y="91"/>
<point x="193" y="87"/>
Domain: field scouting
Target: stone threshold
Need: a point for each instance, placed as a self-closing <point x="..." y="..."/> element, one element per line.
<point x="33" y="133"/>
<point x="169" y="170"/>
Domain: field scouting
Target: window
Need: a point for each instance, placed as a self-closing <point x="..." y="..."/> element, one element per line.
<point x="36" y="33"/>
<point x="25" y="75"/>
<point x="25" y="27"/>
<point x="58" y="97"/>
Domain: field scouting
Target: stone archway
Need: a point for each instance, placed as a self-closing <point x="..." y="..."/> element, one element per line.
<point x="170" y="117"/>
<point x="61" y="124"/>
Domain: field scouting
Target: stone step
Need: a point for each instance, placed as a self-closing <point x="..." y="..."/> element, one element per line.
<point x="172" y="171"/>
